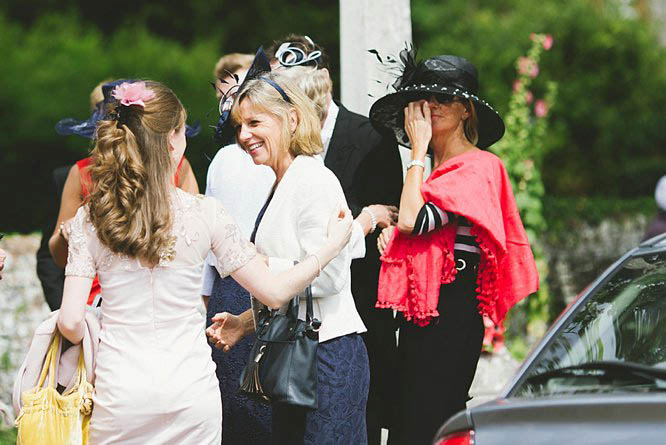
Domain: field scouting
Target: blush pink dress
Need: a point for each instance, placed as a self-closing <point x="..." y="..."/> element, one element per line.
<point x="155" y="381"/>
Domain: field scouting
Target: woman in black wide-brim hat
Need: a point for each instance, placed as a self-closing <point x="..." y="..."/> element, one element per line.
<point x="459" y="251"/>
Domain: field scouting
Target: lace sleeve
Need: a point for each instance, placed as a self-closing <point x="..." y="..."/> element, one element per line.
<point x="79" y="260"/>
<point x="229" y="245"/>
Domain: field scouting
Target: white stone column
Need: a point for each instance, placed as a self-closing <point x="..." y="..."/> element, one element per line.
<point x="658" y="9"/>
<point x="384" y="25"/>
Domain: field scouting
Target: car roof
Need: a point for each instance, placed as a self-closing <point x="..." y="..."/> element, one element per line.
<point x="655" y="242"/>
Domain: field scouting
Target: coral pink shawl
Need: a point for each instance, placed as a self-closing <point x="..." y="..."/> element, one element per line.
<point x="475" y="185"/>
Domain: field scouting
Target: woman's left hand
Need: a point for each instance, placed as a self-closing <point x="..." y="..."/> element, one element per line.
<point x="418" y="127"/>
<point x="384" y="238"/>
<point x="226" y="331"/>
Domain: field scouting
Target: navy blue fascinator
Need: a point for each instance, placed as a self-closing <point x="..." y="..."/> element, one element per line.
<point x="260" y="66"/>
<point x="86" y="128"/>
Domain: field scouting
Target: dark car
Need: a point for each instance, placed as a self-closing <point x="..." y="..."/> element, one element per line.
<point x="599" y="374"/>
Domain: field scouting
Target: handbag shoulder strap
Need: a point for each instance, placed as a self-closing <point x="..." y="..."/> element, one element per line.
<point x="50" y="361"/>
<point x="260" y="216"/>
<point x="292" y="309"/>
<point x="309" y="311"/>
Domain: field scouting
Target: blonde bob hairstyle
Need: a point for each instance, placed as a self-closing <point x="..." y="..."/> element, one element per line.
<point x="132" y="176"/>
<point x="472" y="124"/>
<point x="316" y="84"/>
<point x="265" y="98"/>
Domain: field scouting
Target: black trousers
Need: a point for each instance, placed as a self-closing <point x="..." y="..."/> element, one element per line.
<point x="437" y="362"/>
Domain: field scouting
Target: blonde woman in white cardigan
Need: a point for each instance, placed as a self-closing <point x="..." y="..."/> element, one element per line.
<point x="277" y="125"/>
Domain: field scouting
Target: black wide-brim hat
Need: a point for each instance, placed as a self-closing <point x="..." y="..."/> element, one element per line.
<point x="86" y="128"/>
<point x="451" y="75"/>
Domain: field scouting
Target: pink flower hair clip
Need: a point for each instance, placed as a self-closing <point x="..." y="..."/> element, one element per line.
<point x="135" y="93"/>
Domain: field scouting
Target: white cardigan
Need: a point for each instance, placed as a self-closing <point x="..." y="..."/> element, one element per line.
<point x="295" y="225"/>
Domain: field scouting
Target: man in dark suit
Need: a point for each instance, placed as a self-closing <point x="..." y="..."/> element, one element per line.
<point x="369" y="169"/>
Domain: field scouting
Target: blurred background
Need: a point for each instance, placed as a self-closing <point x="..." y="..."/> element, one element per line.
<point x="589" y="113"/>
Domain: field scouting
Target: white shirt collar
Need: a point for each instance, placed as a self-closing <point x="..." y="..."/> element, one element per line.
<point x="329" y="125"/>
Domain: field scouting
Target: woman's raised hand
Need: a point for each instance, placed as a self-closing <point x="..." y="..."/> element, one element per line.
<point x="340" y="227"/>
<point x="418" y="127"/>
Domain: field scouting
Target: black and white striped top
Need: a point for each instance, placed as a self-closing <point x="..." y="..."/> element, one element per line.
<point x="431" y="218"/>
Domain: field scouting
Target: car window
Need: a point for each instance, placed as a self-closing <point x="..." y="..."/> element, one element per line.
<point x="622" y="321"/>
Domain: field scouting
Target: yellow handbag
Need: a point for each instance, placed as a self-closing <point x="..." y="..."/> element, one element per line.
<point x="49" y="418"/>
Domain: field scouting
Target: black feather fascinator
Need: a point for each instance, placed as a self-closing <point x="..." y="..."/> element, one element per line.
<point x="260" y="66"/>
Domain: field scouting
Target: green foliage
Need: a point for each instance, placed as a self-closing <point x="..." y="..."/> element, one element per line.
<point x="48" y="72"/>
<point x="606" y="132"/>
<point x="604" y="137"/>
<point x="54" y="54"/>
<point x="5" y="361"/>
<point x="8" y="436"/>
<point x="522" y="150"/>
<point x="565" y="214"/>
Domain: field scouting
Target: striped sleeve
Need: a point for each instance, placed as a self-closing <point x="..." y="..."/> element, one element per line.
<point x="430" y="218"/>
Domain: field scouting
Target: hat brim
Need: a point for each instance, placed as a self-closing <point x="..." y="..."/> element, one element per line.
<point x="387" y="114"/>
<point x="87" y="128"/>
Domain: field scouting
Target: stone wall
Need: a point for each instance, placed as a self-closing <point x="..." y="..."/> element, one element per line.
<point x="578" y="256"/>
<point x="22" y="308"/>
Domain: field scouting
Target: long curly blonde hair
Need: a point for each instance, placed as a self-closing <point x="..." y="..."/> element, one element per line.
<point x="132" y="176"/>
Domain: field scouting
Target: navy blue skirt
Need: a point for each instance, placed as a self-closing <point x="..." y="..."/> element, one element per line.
<point x="342" y="387"/>
<point x="244" y="421"/>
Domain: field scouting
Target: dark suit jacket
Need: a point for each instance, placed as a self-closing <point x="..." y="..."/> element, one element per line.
<point x="369" y="168"/>
<point x="51" y="276"/>
<point x="352" y="141"/>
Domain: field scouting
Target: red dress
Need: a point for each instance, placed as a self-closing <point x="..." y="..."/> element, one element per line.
<point x="84" y="178"/>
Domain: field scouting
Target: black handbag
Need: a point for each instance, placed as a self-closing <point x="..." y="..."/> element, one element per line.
<point x="282" y="366"/>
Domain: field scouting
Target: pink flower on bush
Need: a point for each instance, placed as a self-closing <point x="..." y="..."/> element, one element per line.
<point x="528" y="66"/>
<point x="529" y="97"/>
<point x="540" y="108"/>
<point x="516" y="85"/>
<point x="547" y="42"/>
<point x="135" y="93"/>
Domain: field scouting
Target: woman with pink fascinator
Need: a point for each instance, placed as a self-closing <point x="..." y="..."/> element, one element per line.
<point x="147" y="241"/>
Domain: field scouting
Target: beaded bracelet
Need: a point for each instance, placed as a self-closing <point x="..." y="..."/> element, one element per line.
<point x="373" y="220"/>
